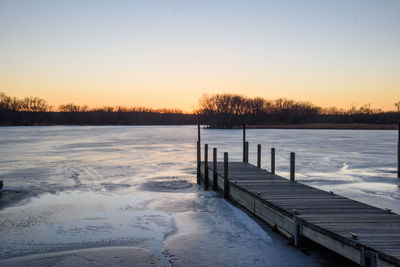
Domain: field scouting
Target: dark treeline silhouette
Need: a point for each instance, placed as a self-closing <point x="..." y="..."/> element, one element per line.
<point x="36" y="111"/>
<point x="216" y="111"/>
<point x="230" y="110"/>
<point x="94" y="118"/>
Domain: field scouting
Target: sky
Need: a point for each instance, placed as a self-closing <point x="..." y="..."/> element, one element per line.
<point x="166" y="54"/>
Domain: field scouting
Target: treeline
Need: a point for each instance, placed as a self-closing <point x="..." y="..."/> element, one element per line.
<point x="230" y="110"/>
<point x="94" y="118"/>
<point x="29" y="104"/>
<point x="36" y="104"/>
<point x="76" y="108"/>
<point x="36" y="111"/>
<point x="216" y="111"/>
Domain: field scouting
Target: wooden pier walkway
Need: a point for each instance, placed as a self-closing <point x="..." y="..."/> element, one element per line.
<point x="364" y="234"/>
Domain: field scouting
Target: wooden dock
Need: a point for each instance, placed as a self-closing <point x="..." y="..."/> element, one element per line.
<point x="364" y="234"/>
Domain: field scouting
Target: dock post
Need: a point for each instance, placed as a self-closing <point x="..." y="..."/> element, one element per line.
<point x="259" y="156"/>
<point x="206" y="167"/>
<point x="368" y="257"/>
<point x="247" y="152"/>
<point x="215" y="181"/>
<point x="398" y="153"/>
<point x="292" y="166"/>
<point x="273" y="160"/>
<point x="226" y="181"/>
<point x="198" y="128"/>
<point x="198" y="162"/>
<point x="244" y="142"/>
<point x="297" y="232"/>
<point x="198" y="150"/>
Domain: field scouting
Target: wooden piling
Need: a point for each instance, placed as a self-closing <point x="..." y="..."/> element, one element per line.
<point x="273" y="160"/>
<point x="198" y="150"/>
<point x="198" y="128"/>
<point x="214" y="183"/>
<point x="259" y="155"/>
<point x="244" y="142"/>
<point x="398" y="153"/>
<point x="226" y="181"/>
<point x="292" y="166"/>
<point x="247" y="152"/>
<point x="297" y="232"/>
<point x="198" y="162"/>
<point x="206" y="167"/>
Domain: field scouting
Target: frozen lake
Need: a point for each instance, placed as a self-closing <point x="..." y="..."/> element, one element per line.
<point x="81" y="187"/>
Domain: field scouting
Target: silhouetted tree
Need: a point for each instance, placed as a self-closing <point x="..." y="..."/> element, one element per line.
<point x="34" y="104"/>
<point x="228" y="110"/>
<point x="70" y="107"/>
<point x="397" y="104"/>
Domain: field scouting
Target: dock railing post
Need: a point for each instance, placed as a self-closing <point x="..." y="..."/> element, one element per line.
<point x="273" y="160"/>
<point x="215" y="181"/>
<point x="198" y="151"/>
<point x="198" y="128"/>
<point x="398" y="153"/>
<point x="206" y="167"/>
<point x="247" y="152"/>
<point x="198" y="162"/>
<point x="226" y="181"/>
<point x="292" y="166"/>
<point x="244" y="142"/>
<point x="259" y="156"/>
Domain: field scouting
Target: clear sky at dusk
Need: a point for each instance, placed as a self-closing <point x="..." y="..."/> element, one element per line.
<point x="168" y="53"/>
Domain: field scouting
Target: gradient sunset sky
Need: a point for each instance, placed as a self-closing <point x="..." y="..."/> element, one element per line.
<point x="168" y="53"/>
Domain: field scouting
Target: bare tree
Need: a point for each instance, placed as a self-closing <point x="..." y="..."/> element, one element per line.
<point x="9" y="103"/>
<point x="228" y="110"/>
<point x="397" y="104"/>
<point x="34" y="104"/>
<point x="70" y="107"/>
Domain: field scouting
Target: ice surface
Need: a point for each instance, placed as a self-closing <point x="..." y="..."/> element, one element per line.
<point x="81" y="187"/>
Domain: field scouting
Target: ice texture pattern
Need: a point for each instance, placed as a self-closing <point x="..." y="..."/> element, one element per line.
<point x="68" y="187"/>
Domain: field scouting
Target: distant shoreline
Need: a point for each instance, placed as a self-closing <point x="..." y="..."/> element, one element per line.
<point x="304" y="126"/>
<point x="327" y="126"/>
